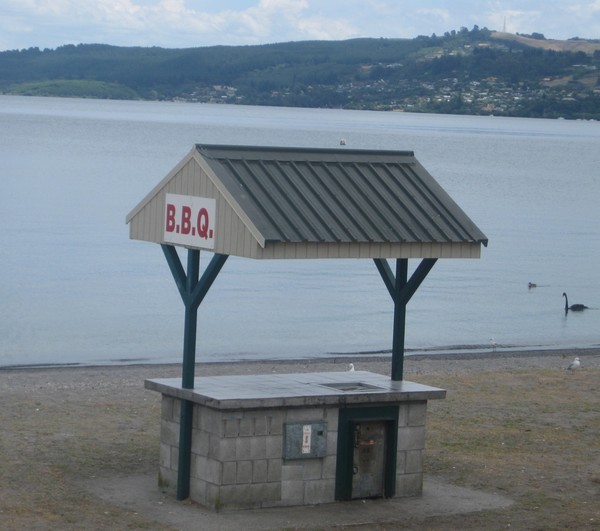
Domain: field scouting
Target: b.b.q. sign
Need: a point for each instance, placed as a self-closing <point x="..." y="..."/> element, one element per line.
<point x="189" y="221"/>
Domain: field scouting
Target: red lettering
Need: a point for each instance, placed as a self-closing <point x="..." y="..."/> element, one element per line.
<point x="170" y="218"/>
<point x="186" y="216"/>
<point x="202" y="223"/>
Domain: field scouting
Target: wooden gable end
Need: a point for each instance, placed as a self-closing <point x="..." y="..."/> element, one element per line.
<point x="189" y="178"/>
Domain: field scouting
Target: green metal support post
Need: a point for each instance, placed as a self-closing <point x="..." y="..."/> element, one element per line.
<point x="399" y="321"/>
<point x="192" y="293"/>
<point x="401" y="290"/>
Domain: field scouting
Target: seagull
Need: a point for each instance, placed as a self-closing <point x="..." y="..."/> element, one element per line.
<point x="575" y="364"/>
<point x="351" y="369"/>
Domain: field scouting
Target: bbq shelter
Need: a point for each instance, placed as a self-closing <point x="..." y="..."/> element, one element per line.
<point x="297" y="439"/>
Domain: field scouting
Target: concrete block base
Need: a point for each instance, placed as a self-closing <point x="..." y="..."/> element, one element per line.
<point x="273" y="440"/>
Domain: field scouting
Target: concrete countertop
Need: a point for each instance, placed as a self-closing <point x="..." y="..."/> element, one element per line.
<point x="295" y="390"/>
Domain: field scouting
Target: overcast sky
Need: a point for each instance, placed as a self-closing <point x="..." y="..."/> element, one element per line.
<point x="189" y="23"/>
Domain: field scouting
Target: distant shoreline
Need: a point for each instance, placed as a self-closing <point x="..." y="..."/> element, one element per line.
<point x="473" y="74"/>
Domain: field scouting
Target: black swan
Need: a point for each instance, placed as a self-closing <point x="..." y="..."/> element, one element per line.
<point x="574" y="307"/>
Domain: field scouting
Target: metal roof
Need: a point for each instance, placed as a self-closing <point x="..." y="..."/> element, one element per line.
<point x="271" y="203"/>
<point x="339" y="195"/>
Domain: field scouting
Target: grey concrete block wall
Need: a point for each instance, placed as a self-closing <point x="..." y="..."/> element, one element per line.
<point x="251" y="446"/>
<point x="412" y="417"/>
<point x="237" y="458"/>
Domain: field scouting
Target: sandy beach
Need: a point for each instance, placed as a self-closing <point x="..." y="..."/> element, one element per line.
<point x="66" y="429"/>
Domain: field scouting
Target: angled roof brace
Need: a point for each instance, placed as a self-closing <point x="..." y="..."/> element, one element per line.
<point x="401" y="290"/>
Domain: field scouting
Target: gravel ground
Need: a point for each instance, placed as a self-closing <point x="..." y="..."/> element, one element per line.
<point x="77" y="442"/>
<point x="115" y="377"/>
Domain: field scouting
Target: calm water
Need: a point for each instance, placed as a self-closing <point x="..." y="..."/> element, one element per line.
<point x="75" y="289"/>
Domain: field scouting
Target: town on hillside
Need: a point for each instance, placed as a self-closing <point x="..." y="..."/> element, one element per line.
<point x="475" y="71"/>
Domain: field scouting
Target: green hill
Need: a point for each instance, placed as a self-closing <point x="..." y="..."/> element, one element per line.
<point x="468" y="71"/>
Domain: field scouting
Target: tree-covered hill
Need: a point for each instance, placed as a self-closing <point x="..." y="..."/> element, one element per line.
<point x="463" y="71"/>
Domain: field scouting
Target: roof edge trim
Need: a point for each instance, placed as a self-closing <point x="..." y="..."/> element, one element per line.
<point x="204" y="148"/>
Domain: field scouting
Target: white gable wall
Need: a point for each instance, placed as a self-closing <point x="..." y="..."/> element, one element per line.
<point x="231" y="235"/>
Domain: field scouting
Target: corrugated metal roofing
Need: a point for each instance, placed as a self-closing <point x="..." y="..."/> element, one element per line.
<point x="339" y="195"/>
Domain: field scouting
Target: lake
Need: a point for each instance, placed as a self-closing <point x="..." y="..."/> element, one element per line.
<point x="76" y="290"/>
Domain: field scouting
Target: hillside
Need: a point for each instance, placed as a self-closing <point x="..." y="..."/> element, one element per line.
<point x="571" y="45"/>
<point x="465" y="72"/>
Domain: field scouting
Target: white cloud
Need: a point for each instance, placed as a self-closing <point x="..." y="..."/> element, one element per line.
<point x="325" y="29"/>
<point x="588" y="15"/>
<point x="554" y="18"/>
<point x="442" y="15"/>
<point x="265" y="18"/>
<point x="183" y="23"/>
<point x="588" y="9"/>
<point x="516" y="21"/>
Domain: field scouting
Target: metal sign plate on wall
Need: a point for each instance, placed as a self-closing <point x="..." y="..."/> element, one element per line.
<point x="305" y="440"/>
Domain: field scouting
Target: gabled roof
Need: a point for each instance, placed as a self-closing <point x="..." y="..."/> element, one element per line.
<point x="339" y="195"/>
<point x="335" y="202"/>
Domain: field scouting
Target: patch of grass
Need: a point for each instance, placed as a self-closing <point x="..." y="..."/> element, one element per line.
<point x="531" y="434"/>
<point x="50" y="446"/>
<point x="75" y="88"/>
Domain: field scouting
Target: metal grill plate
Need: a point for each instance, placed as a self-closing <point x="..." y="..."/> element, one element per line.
<point x="351" y="387"/>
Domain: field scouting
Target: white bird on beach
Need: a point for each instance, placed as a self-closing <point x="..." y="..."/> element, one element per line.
<point x="575" y="364"/>
<point x="351" y="369"/>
